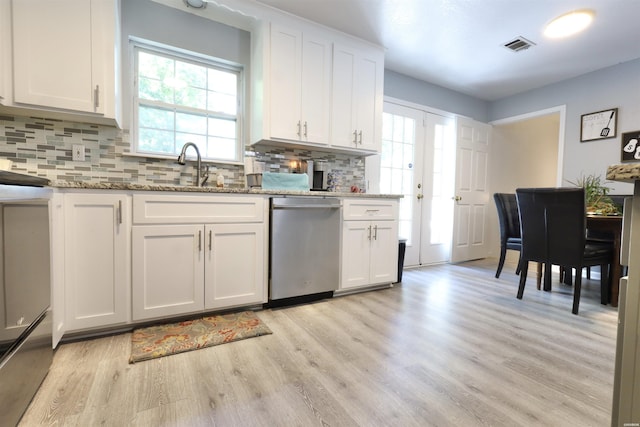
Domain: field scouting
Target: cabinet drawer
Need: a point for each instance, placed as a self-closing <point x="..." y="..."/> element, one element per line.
<point x="200" y="209"/>
<point x="364" y="209"/>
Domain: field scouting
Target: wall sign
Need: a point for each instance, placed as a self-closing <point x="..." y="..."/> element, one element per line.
<point x="599" y="125"/>
<point x="631" y="146"/>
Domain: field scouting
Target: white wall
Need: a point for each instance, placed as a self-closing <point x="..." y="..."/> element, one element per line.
<point x="522" y="154"/>
<point x="613" y="87"/>
<point x="423" y="93"/>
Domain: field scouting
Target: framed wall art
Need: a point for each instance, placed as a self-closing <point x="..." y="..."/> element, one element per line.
<point x="599" y="125"/>
<point x="631" y="146"/>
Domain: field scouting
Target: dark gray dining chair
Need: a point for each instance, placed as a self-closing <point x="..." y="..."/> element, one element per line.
<point x="509" y="222"/>
<point x="553" y="230"/>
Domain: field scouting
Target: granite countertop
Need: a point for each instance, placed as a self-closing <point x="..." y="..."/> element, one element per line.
<point x="193" y="189"/>
<point x="626" y="172"/>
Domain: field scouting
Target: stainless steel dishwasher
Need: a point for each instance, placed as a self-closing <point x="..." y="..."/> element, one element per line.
<point x="305" y="247"/>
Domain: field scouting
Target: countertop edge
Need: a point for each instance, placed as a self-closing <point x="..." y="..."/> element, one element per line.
<point x="214" y="190"/>
<point x="625" y="172"/>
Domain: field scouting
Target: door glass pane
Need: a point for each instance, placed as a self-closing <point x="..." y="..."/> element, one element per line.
<point x="396" y="166"/>
<point x="441" y="215"/>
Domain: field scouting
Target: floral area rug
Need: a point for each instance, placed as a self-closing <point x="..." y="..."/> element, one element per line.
<point x="164" y="340"/>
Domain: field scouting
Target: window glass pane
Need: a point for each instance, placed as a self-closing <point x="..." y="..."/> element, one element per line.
<point x="224" y="128"/>
<point x="192" y="97"/>
<point x="386" y="155"/>
<point x="154" y="140"/>
<point x="398" y="128"/>
<point x="387" y="126"/>
<point x="156" y="118"/>
<point x="199" y="140"/>
<point x="191" y="123"/>
<point x="385" y="181"/>
<point x="222" y="103"/>
<point x="222" y="148"/>
<point x="398" y="149"/>
<point x="191" y="75"/>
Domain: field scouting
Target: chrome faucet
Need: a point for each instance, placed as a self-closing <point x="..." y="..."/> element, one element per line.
<point x="199" y="174"/>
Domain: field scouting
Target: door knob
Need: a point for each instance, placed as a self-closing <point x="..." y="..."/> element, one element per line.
<point x="419" y="196"/>
<point x="456" y="198"/>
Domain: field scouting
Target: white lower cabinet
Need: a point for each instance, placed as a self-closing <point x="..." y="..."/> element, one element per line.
<point x="167" y="271"/>
<point x="235" y="265"/>
<point x="96" y="260"/>
<point x="369" y="247"/>
<point x="186" y="268"/>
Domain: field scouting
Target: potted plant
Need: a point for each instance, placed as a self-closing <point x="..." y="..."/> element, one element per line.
<point x="597" y="197"/>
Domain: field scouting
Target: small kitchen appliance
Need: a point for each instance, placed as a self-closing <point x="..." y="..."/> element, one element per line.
<point x="320" y="172"/>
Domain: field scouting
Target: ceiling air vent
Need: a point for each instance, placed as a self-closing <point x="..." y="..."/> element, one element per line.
<point x="519" y="44"/>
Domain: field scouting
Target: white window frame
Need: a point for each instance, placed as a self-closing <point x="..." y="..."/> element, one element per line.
<point x="136" y="45"/>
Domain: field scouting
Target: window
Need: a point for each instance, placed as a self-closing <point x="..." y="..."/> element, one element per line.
<point x="179" y="98"/>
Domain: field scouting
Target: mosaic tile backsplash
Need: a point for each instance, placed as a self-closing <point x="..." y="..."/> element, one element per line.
<point x="43" y="147"/>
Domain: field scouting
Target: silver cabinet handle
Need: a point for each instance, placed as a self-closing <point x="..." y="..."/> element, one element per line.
<point x="355" y="137"/>
<point x="298" y="133"/>
<point x="119" y="211"/>
<point x="305" y="128"/>
<point x="369" y="236"/>
<point x="375" y="232"/>
<point x="199" y="240"/>
<point x="96" y="97"/>
<point x="210" y="239"/>
<point x="360" y="134"/>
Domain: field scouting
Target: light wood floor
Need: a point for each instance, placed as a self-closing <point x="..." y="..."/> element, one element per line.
<point x="450" y="346"/>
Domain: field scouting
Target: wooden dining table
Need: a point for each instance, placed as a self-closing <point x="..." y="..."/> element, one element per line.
<point x="611" y="224"/>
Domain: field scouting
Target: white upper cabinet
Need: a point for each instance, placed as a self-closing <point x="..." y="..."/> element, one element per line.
<point x="299" y="86"/>
<point x="5" y="52"/>
<point x="316" y="87"/>
<point x="357" y="98"/>
<point x="65" y="56"/>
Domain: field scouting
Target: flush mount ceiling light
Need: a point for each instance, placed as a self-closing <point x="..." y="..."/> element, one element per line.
<point x="196" y="4"/>
<point x="569" y="24"/>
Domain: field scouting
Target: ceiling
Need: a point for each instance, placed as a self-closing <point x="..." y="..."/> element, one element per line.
<point x="458" y="44"/>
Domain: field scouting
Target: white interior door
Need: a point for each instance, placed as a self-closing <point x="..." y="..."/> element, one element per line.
<point x="470" y="236"/>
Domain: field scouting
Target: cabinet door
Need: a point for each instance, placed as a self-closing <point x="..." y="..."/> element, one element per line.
<point x="167" y="270"/>
<point x="356" y="252"/>
<point x="343" y="120"/>
<point x="96" y="260"/>
<point x="235" y="266"/>
<point x="316" y="89"/>
<point x="285" y="83"/>
<point x="357" y="98"/>
<point x="5" y="53"/>
<point x="52" y="67"/>
<point x="64" y="55"/>
<point x="368" y="101"/>
<point x="384" y="252"/>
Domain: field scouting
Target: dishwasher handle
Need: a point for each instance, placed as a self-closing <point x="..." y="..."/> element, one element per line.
<point x="306" y="206"/>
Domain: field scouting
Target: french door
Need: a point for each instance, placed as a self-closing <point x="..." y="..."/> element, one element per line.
<point x="418" y="161"/>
